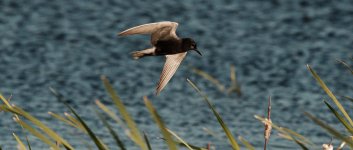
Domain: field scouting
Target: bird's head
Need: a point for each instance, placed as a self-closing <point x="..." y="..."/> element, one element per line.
<point x="190" y="44"/>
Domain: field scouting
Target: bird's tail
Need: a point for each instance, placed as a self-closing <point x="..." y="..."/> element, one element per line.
<point x="142" y="53"/>
<point x="137" y="54"/>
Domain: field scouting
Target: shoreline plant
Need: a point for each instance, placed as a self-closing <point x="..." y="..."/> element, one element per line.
<point x="32" y="125"/>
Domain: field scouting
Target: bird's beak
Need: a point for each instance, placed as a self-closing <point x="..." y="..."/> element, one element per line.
<point x="198" y="52"/>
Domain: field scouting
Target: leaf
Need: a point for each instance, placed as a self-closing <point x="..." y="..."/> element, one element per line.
<point x="51" y="133"/>
<point x="19" y="142"/>
<point x="180" y="139"/>
<point x="28" y="144"/>
<point x="330" y="130"/>
<point x="246" y="143"/>
<point x="60" y="118"/>
<point x="135" y="133"/>
<point x="37" y="134"/>
<point x="77" y="123"/>
<point x="170" y="142"/>
<point x="340" y="118"/>
<point x="330" y="94"/>
<point x="111" y="131"/>
<point x="208" y="77"/>
<point x="346" y="65"/>
<point x="147" y="141"/>
<point x="348" y="98"/>
<point x="6" y="102"/>
<point x="292" y="138"/>
<point x="300" y="144"/>
<point x="231" y="139"/>
<point x="192" y="146"/>
<point x="86" y="144"/>
<point x="95" y="139"/>
<point x="212" y="133"/>
<point x="109" y="112"/>
<point x="297" y="136"/>
<point x="235" y="87"/>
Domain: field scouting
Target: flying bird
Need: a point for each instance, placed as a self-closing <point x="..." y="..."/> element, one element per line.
<point x="164" y="41"/>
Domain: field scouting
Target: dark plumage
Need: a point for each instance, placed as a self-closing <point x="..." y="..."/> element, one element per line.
<point x="165" y="42"/>
<point x="174" y="46"/>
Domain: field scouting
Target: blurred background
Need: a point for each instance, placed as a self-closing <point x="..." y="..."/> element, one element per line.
<point x="68" y="44"/>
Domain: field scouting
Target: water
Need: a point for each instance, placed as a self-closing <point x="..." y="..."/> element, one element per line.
<point x="67" y="45"/>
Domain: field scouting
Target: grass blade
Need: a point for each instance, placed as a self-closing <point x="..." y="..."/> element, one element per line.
<point x="212" y="133"/>
<point x="62" y="119"/>
<point x="330" y="94"/>
<point x="111" y="131"/>
<point x="109" y="112"/>
<point x="37" y="134"/>
<point x="180" y="139"/>
<point x="6" y="102"/>
<point x="95" y="139"/>
<point x="51" y="133"/>
<point x="208" y="77"/>
<point x="235" y="87"/>
<point x="86" y="144"/>
<point x="340" y="118"/>
<point x="292" y="138"/>
<point x="28" y="144"/>
<point x="246" y="143"/>
<point x="300" y="144"/>
<point x="329" y="129"/>
<point x="77" y="123"/>
<point x="135" y="133"/>
<point x="168" y="138"/>
<point x="147" y="141"/>
<point x="297" y="136"/>
<point x="19" y="142"/>
<point x="226" y="130"/>
<point x="192" y="146"/>
<point x="348" y="98"/>
<point x="346" y="65"/>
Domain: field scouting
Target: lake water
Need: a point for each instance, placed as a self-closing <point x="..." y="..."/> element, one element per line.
<point x="68" y="45"/>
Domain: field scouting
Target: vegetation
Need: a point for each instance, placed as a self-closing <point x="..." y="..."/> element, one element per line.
<point x="55" y="141"/>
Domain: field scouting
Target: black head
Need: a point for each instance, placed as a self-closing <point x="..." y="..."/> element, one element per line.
<point x="190" y="44"/>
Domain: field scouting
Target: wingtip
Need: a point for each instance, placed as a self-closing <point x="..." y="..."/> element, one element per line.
<point x="157" y="93"/>
<point x="120" y="34"/>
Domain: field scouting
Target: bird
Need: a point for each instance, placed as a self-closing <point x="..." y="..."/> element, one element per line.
<point x="164" y="42"/>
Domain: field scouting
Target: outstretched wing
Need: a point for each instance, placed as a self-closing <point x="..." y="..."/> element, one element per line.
<point x="159" y="30"/>
<point x="171" y="65"/>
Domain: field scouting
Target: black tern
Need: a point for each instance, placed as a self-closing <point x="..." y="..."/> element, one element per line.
<point x="164" y="42"/>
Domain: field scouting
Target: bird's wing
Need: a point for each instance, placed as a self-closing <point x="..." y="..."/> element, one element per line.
<point x="171" y="65"/>
<point x="159" y="30"/>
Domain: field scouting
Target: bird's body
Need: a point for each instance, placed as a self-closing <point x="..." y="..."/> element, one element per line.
<point x="165" y="42"/>
<point x="169" y="47"/>
<point x="162" y="47"/>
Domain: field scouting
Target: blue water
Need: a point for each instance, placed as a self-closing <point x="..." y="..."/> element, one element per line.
<point x="68" y="44"/>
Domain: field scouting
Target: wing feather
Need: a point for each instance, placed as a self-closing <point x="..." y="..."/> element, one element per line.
<point x="150" y="28"/>
<point x="171" y="65"/>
